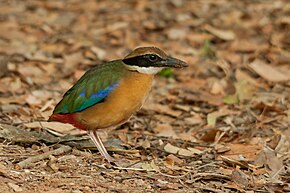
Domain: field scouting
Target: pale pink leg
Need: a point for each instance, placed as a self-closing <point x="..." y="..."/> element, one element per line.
<point x="97" y="141"/>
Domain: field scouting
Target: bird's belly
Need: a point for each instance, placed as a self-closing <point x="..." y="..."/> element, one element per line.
<point x="125" y="100"/>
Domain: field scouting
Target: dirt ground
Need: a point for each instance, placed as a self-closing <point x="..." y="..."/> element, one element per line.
<point x="220" y="125"/>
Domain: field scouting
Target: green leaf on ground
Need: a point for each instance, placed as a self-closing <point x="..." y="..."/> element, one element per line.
<point x="166" y="72"/>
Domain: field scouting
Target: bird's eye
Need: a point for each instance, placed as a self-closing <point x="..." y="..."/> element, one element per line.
<point x="153" y="58"/>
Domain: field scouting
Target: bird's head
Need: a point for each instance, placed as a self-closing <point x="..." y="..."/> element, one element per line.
<point x="151" y="60"/>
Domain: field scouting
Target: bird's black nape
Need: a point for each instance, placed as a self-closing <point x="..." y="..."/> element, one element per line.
<point x="147" y="60"/>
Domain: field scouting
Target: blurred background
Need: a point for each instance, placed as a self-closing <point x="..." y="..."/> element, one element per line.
<point x="233" y="97"/>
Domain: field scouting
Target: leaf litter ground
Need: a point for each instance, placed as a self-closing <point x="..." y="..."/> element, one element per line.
<point x="221" y="125"/>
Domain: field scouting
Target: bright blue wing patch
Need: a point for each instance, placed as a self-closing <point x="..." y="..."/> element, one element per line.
<point x="87" y="102"/>
<point x="96" y="97"/>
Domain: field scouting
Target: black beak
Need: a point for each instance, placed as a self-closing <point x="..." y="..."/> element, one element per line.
<point x="173" y="63"/>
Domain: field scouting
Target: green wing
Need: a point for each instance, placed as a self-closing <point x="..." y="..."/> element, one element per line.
<point x="92" y="88"/>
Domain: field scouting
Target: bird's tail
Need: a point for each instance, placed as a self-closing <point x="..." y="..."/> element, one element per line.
<point x="66" y="118"/>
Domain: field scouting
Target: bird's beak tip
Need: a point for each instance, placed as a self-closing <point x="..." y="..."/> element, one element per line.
<point x="176" y="63"/>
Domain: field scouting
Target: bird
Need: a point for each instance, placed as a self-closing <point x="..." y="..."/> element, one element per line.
<point x="108" y="94"/>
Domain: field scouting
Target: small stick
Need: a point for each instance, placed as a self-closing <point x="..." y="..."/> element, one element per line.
<point x="31" y="160"/>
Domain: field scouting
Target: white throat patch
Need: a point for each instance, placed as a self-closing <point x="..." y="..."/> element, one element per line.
<point x="148" y="70"/>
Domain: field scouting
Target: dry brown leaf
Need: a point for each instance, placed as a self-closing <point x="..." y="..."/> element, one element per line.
<point x="242" y="75"/>
<point x="165" y="130"/>
<point x="171" y="148"/>
<point x="206" y="97"/>
<point x="267" y="157"/>
<point x="244" y="90"/>
<point x="244" y="152"/>
<point x="13" y="100"/>
<point x="78" y="74"/>
<point x="71" y="61"/>
<point x="222" y="34"/>
<point x="244" y="45"/>
<point x="181" y="151"/>
<point x="32" y="100"/>
<point x="55" y="190"/>
<point x="165" y="109"/>
<point x="212" y="117"/>
<point x="176" y="34"/>
<point x="30" y="70"/>
<point x="172" y="159"/>
<point x="240" y="178"/>
<point x="3" y="65"/>
<point x="198" y="38"/>
<point x="185" y="152"/>
<point x="15" y="187"/>
<point x="99" y="52"/>
<point x="193" y="120"/>
<point x="146" y="144"/>
<point x="195" y="151"/>
<point x="4" y="171"/>
<point x="182" y="107"/>
<point x="225" y="171"/>
<point x="269" y="72"/>
<point x="217" y="88"/>
<point x="15" y="85"/>
<point x="61" y="128"/>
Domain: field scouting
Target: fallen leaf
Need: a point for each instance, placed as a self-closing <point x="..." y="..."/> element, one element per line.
<point x="165" y="130"/>
<point x="242" y="75"/>
<point x="244" y="90"/>
<point x="172" y="159"/>
<point x="150" y="166"/>
<point x="220" y="148"/>
<point x="225" y="171"/>
<point x="182" y="107"/>
<point x="268" y="72"/>
<point x="244" y="152"/>
<point x="205" y="97"/>
<point x="185" y="152"/>
<point x="99" y="52"/>
<point x="171" y="149"/>
<point x="231" y="99"/>
<point x="30" y="70"/>
<point x="13" y="100"/>
<point x="146" y="144"/>
<point x="240" y="178"/>
<point x="3" y="65"/>
<point x="15" y="187"/>
<point x="55" y="190"/>
<point x="212" y="117"/>
<point x="209" y="135"/>
<point x="267" y="157"/>
<point x="71" y="61"/>
<point x="165" y="109"/>
<point x="60" y="128"/>
<point x="177" y="33"/>
<point x="217" y="88"/>
<point x="32" y="100"/>
<point x="4" y="171"/>
<point x="222" y="34"/>
<point x="194" y="120"/>
<point x="195" y="151"/>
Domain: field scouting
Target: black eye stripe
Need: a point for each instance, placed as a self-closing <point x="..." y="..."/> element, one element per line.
<point x="143" y="61"/>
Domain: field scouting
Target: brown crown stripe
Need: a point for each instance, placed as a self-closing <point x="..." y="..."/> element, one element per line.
<point x="147" y="50"/>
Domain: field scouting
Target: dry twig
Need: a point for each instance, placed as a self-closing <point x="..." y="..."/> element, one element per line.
<point x="31" y="160"/>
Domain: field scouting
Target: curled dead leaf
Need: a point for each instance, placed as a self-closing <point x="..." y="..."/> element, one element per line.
<point x="222" y="34"/>
<point x="269" y="72"/>
<point x="171" y="148"/>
